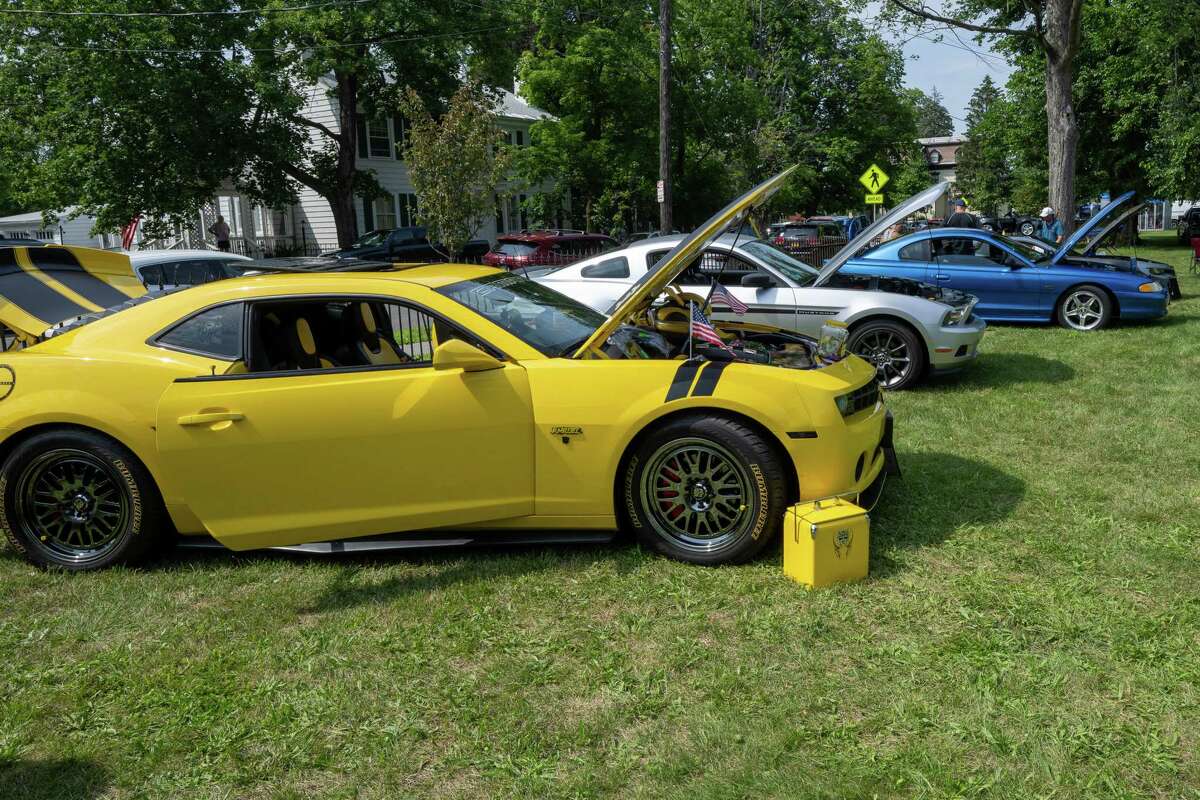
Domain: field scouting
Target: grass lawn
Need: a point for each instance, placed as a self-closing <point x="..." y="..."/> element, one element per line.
<point x="1031" y="628"/>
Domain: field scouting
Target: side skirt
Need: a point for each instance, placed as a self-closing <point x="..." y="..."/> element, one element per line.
<point x="386" y="542"/>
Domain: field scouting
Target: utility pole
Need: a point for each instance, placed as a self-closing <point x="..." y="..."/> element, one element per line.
<point x="665" y="221"/>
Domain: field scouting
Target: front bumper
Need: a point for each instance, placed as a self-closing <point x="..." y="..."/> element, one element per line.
<point x="952" y="348"/>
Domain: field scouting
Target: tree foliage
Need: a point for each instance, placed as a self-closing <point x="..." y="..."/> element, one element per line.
<point x="455" y="163"/>
<point x="932" y="117"/>
<point x="983" y="172"/>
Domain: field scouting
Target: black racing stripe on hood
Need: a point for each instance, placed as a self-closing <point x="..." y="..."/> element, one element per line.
<point x="64" y="267"/>
<point x="683" y="380"/>
<point x="33" y="296"/>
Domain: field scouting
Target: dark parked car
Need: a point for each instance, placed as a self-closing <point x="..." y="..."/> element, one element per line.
<point x="1187" y="227"/>
<point x="404" y="244"/>
<point x="546" y="248"/>
<point x="811" y="242"/>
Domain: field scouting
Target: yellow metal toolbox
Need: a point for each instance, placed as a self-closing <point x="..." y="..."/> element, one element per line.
<point x="826" y="542"/>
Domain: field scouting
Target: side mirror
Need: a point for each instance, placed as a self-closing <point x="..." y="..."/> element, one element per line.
<point x="758" y="280"/>
<point x="457" y="354"/>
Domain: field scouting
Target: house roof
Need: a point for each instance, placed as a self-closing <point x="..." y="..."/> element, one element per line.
<point x="28" y="218"/>
<point x="513" y="107"/>
<point x="933" y="141"/>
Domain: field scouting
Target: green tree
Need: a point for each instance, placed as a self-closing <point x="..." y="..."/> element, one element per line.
<point x="983" y="172"/>
<point x="932" y="117"/>
<point x="455" y="163"/>
<point x="151" y="114"/>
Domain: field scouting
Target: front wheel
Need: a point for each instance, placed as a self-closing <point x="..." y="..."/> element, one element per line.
<point x="705" y="490"/>
<point x="897" y="353"/>
<point x="1085" y="308"/>
<point x="77" y="500"/>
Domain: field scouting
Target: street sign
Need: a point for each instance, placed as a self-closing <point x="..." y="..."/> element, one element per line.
<point x="662" y="192"/>
<point x="874" y="179"/>
<point x="875" y="199"/>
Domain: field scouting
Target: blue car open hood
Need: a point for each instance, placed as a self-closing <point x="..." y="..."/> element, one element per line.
<point x="1086" y="228"/>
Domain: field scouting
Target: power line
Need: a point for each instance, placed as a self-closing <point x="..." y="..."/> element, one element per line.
<point x="224" y="13"/>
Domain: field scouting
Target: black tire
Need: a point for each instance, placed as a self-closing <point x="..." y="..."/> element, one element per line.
<point x="79" y="501"/>
<point x="896" y="351"/>
<point x="1084" y="308"/>
<point x="1027" y="228"/>
<point x="731" y="481"/>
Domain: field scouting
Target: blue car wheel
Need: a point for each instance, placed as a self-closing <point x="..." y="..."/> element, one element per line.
<point x="1085" y="308"/>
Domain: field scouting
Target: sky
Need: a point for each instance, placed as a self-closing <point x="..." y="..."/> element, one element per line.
<point x="949" y="65"/>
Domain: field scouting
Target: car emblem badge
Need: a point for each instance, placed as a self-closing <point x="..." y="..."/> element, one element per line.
<point x="566" y="432"/>
<point x="8" y="380"/>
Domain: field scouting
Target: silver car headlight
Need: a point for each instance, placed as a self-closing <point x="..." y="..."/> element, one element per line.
<point x="960" y="315"/>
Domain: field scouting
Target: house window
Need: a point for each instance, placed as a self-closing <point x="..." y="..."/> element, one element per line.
<point x="374" y="140"/>
<point x="408" y="210"/>
<point x="400" y="130"/>
<point x="385" y="212"/>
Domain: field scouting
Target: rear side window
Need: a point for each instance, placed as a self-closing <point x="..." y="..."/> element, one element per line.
<point x="515" y="249"/>
<point x="608" y="268"/>
<point x="917" y="251"/>
<point x="215" y="332"/>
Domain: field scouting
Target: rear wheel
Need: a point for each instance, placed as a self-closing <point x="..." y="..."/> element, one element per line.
<point x="77" y="500"/>
<point x="897" y="353"/>
<point x="1085" y="308"/>
<point x="704" y="490"/>
<point x="1027" y="228"/>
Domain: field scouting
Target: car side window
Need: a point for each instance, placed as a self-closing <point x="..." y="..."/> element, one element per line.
<point x="152" y="275"/>
<point x="727" y="269"/>
<point x="917" y="251"/>
<point x="215" y="332"/>
<point x="654" y="257"/>
<point x="608" y="268"/>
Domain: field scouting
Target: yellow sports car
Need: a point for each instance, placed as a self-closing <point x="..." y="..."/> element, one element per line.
<point x="286" y="409"/>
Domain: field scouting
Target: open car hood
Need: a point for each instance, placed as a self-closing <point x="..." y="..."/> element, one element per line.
<point x="1085" y="230"/>
<point x="43" y="286"/>
<point x="1093" y="244"/>
<point x="910" y="206"/>
<point x="655" y="281"/>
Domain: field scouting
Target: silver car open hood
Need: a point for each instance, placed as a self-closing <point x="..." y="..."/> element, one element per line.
<point x="910" y="206"/>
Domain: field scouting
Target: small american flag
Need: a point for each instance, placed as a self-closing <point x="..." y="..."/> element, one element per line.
<point x="129" y="231"/>
<point x="702" y="329"/>
<point x="721" y="294"/>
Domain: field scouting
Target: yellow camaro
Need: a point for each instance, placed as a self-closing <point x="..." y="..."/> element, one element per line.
<point x="285" y="409"/>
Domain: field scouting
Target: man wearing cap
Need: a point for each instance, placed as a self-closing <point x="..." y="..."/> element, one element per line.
<point x="960" y="218"/>
<point x="1051" y="229"/>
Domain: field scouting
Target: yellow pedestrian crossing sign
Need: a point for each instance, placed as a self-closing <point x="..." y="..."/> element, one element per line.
<point x="874" y="179"/>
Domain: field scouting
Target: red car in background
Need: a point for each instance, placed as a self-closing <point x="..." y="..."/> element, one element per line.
<point x="546" y="248"/>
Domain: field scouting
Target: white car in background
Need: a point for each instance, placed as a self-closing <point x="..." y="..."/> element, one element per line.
<point x="175" y="269"/>
<point x="894" y="322"/>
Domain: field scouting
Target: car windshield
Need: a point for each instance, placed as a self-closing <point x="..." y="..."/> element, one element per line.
<point x="371" y="239"/>
<point x="1031" y="252"/>
<point x="552" y="323"/>
<point x="794" y="270"/>
<point x="801" y="230"/>
<point x="515" y="248"/>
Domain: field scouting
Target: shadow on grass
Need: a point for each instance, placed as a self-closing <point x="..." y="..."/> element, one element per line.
<point x="939" y="494"/>
<point x="1002" y="369"/>
<point x="53" y="779"/>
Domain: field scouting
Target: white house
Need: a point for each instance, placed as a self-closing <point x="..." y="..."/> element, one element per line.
<point x="379" y="145"/>
<point x="60" y="229"/>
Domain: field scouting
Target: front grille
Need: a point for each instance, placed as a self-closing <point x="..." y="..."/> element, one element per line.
<point x="865" y="396"/>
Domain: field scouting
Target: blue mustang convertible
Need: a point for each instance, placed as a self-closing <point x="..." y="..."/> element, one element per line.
<point x="1018" y="283"/>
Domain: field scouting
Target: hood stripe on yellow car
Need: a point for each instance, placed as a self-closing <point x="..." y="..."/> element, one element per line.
<point x="64" y="267"/>
<point x="34" y="297"/>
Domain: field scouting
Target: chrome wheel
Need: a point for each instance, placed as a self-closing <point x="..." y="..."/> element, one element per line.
<point x="72" y="503"/>
<point x="1083" y="310"/>
<point x="888" y="352"/>
<point x="698" y="494"/>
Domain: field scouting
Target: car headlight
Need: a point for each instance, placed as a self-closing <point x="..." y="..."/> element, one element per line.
<point x="1152" y="286"/>
<point x="961" y="314"/>
<point x="831" y="347"/>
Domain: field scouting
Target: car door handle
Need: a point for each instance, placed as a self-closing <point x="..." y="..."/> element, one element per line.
<point x="941" y="277"/>
<point x="210" y="417"/>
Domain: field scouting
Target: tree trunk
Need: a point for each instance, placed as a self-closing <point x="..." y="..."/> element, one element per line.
<point x="1060" y="45"/>
<point x="665" y="220"/>
<point x="341" y="201"/>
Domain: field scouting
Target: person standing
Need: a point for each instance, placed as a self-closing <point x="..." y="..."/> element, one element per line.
<point x="220" y="230"/>
<point x="1051" y="229"/>
<point x="961" y="218"/>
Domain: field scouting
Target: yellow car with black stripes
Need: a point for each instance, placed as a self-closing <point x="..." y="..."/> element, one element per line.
<point x="406" y="406"/>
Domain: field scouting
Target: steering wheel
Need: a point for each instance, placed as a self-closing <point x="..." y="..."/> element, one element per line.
<point x="674" y="317"/>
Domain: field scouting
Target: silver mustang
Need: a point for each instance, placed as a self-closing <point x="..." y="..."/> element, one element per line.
<point x="906" y="328"/>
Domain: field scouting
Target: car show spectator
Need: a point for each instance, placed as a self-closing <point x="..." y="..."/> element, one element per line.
<point x="894" y="232"/>
<point x="961" y="218"/>
<point x="220" y="229"/>
<point x="1051" y="229"/>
